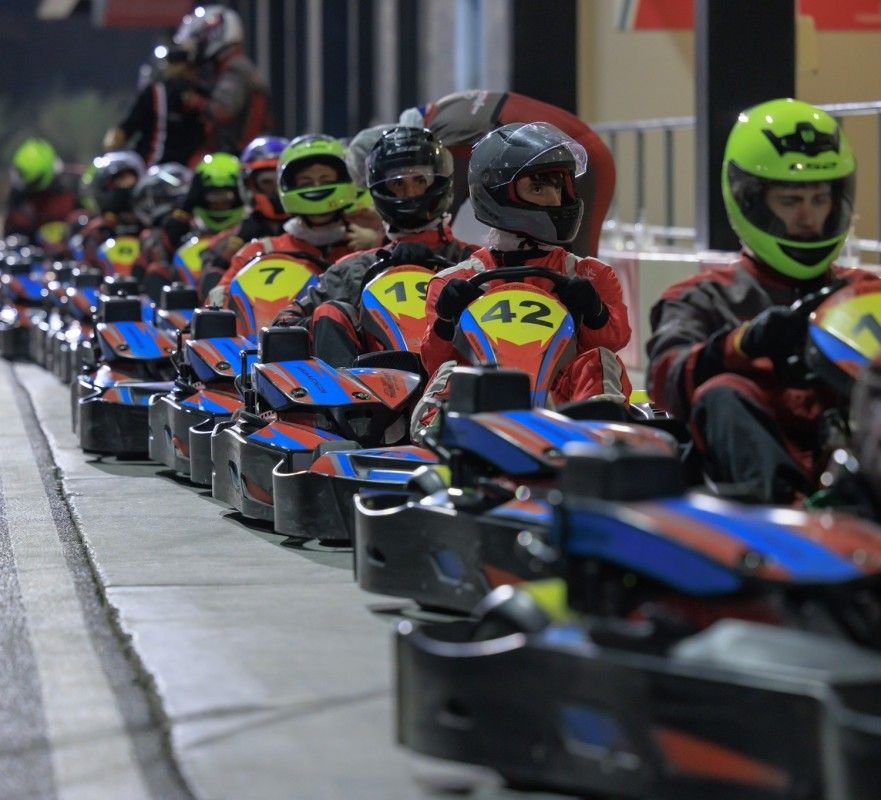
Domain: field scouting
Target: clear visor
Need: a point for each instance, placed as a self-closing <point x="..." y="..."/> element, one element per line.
<point x="423" y="175"/>
<point x="547" y="147"/>
<point x="794" y="210"/>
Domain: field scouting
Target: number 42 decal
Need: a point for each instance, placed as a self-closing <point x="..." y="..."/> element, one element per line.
<point x="501" y="312"/>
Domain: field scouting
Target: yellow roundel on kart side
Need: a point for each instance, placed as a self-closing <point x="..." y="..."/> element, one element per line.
<point x="857" y="322"/>
<point x="402" y="291"/>
<point x="189" y="254"/>
<point x="52" y="232"/>
<point x="521" y="316"/>
<point x="121" y="250"/>
<point x="269" y="278"/>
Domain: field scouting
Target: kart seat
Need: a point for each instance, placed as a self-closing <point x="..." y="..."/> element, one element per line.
<point x="178" y="296"/>
<point x="212" y="323"/>
<point x="280" y="343"/>
<point x="88" y="278"/>
<point x="121" y="285"/>
<point x="484" y="389"/>
<point x="119" y="309"/>
<point x="619" y="474"/>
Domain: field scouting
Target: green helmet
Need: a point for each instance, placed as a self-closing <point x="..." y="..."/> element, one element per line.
<point x="302" y="153"/>
<point x="789" y="145"/>
<point x="215" y="196"/>
<point x="34" y="165"/>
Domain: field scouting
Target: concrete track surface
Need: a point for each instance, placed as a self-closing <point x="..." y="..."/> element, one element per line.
<point x="152" y="645"/>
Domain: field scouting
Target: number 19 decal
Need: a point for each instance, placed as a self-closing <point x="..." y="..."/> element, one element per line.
<point x="400" y="290"/>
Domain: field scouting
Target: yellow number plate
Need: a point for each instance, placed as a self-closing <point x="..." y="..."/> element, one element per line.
<point x="273" y="278"/>
<point x="521" y="316"/>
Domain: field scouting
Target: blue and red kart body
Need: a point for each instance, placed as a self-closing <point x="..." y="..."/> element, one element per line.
<point x="707" y="649"/>
<point x="213" y="359"/>
<point x="302" y="408"/>
<point x="208" y="363"/>
<point x="445" y="545"/>
<point x="132" y="362"/>
<point x="21" y="302"/>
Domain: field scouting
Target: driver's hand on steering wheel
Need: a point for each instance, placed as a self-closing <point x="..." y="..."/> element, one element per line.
<point x="453" y="299"/>
<point x="777" y="333"/>
<point x="583" y="302"/>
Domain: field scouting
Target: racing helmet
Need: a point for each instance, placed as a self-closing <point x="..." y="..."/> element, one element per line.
<point x="259" y="155"/>
<point x="516" y="151"/>
<point x="402" y="152"/>
<point x="328" y="198"/>
<point x="106" y="196"/>
<point x="208" y="30"/>
<point x="214" y="194"/>
<point x="34" y="165"/>
<point x="160" y="191"/>
<point x="787" y="143"/>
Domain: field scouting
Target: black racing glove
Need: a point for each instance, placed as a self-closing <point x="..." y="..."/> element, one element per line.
<point x="410" y="253"/>
<point x="584" y="302"/>
<point x="777" y="333"/>
<point x="454" y="298"/>
<point x="176" y="228"/>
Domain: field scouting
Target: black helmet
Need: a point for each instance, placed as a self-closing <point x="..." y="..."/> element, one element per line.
<point x="105" y="168"/>
<point x="160" y="191"/>
<point x="512" y="152"/>
<point x="403" y="152"/>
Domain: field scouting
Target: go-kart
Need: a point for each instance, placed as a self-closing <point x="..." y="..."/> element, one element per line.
<point x="130" y="363"/>
<point x="297" y="408"/>
<point x="77" y="307"/>
<point x="55" y="279"/>
<point x="501" y="446"/>
<point x="205" y="393"/>
<point x="707" y="649"/>
<point x="208" y="363"/>
<point x="843" y="339"/>
<point x="317" y="501"/>
<point x="21" y="301"/>
<point x="446" y="540"/>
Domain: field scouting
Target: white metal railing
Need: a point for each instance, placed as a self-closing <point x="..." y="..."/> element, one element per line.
<point x="638" y="234"/>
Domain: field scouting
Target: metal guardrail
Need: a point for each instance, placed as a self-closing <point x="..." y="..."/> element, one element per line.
<point x="640" y="232"/>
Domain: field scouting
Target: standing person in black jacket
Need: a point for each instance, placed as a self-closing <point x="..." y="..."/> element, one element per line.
<point x="164" y="129"/>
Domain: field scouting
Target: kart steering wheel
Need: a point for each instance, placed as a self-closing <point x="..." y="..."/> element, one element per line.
<point x="797" y="370"/>
<point x="515" y="273"/>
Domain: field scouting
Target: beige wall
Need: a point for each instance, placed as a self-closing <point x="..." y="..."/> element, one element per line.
<point x="637" y="75"/>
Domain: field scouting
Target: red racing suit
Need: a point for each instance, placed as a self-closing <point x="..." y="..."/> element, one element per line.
<point x="692" y="350"/>
<point x="460" y="119"/>
<point x="595" y="370"/>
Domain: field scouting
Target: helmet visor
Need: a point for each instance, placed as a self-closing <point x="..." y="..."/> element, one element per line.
<point x="425" y="161"/>
<point x="536" y="147"/>
<point x="797" y="211"/>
